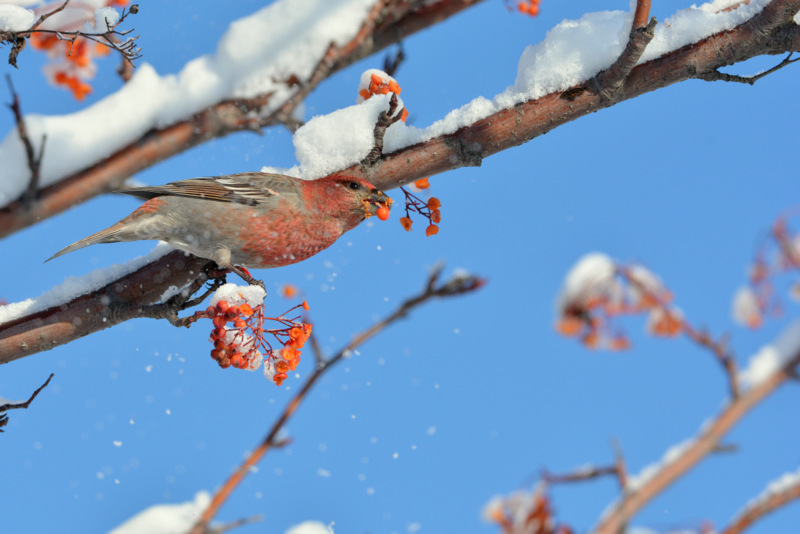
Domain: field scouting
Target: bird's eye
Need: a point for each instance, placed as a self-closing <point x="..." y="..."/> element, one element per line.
<point x="355" y="186"/>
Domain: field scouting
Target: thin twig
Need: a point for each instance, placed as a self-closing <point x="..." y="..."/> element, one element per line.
<point x="46" y="16"/>
<point x="392" y="62"/>
<point x="619" y="464"/>
<point x="580" y="475"/>
<point x="704" y="444"/>
<point x="608" y="83"/>
<point x="385" y="119"/>
<point x="455" y="286"/>
<point x="717" y="76"/>
<point x="15" y="406"/>
<point x="31" y="193"/>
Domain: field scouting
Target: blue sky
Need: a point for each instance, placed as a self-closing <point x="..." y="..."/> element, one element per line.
<point x="469" y="397"/>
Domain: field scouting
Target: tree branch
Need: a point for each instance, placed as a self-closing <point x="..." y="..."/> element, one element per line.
<point x="770" y="32"/>
<point x="389" y="22"/>
<point x="34" y="161"/>
<point x="457" y="285"/>
<point x="778" y="494"/>
<point x="97" y="310"/>
<point x="18" y="405"/>
<point x="706" y="443"/>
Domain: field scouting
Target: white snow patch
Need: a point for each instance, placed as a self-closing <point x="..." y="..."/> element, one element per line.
<point x="166" y="518"/>
<point x="75" y="286"/>
<point x="257" y="55"/>
<point x="260" y="52"/>
<point x="796" y="18"/>
<point x="15" y="18"/>
<point x="648" y="472"/>
<point x="105" y="18"/>
<point x="591" y="274"/>
<point x="311" y="527"/>
<point x="771" y="357"/>
<point x="235" y="294"/>
<point x="745" y="309"/>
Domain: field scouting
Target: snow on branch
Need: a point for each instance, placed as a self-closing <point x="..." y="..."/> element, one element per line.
<point x="459" y="284"/>
<point x="264" y="67"/>
<point x="549" y="91"/>
<point x="778" y="493"/>
<point x="681" y="458"/>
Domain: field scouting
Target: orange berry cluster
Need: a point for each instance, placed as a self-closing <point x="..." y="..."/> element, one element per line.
<point x="78" y="54"/>
<point x="529" y="7"/>
<point x="528" y="513"/>
<point x="590" y="315"/>
<point x="379" y="86"/>
<point x="761" y="299"/>
<point x="234" y="347"/>
<point x="429" y="209"/>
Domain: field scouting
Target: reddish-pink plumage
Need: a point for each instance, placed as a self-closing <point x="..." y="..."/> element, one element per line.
<point x="257" y="220"/>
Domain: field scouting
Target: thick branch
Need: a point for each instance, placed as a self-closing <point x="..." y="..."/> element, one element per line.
<point x="383" y="27"/>
<point x="706" y="443"/>
<point x="771" y="32"/>
<point x="99" y="309"/>
<point x="433" y="289"/>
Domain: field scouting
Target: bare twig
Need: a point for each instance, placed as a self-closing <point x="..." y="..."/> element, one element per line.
<point x="110" y="37"/>
<point x="433" y="289"/>
<point x="607" y="84"/>
<point x="704" y="444"/>
<point x="772" y="31"/>
<point x="717" y="76"/>
<point x="47" y="15"/>
<point x="579" y="475"/>
<point x="15" y="406"/>
<point x="392" y="62"/>
<point x="385" y="119"/>
<point x="619" y="464"/>
<point x="382" y="28"/>
<point x="641" y="15"/>
<point x="719" y="348"/>
<point x="34" y="161"/>
<point x="720" y="351"/>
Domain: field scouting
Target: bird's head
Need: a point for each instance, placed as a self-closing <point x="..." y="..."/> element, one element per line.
<point x="352" y="199"/>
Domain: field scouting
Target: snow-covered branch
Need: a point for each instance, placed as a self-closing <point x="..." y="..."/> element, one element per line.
<point x="546" y="95"/>
<point x="778" y="493"/>
<point x="254" y="80"/>
<point x="768" y="370"/>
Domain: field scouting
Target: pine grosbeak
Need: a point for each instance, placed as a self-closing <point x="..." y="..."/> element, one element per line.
<point x="252" y="219"/>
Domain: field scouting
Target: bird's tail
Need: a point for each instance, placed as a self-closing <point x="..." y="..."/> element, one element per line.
<point x="109" y="235"/>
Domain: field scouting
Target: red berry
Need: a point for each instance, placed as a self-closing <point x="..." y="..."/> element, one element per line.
<point x="239" y="323"/>
<point x="211" y="311"/>
<point x="222" y="306"/>
<point x="382" y="213"/>
<point x="219" y="321"/>
<point x="218" y="333"/>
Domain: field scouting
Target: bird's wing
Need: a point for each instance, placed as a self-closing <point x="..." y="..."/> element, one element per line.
<point x="249" y="188"/>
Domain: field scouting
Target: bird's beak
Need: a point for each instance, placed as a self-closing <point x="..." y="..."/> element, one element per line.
<point x="375" y="200"/>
